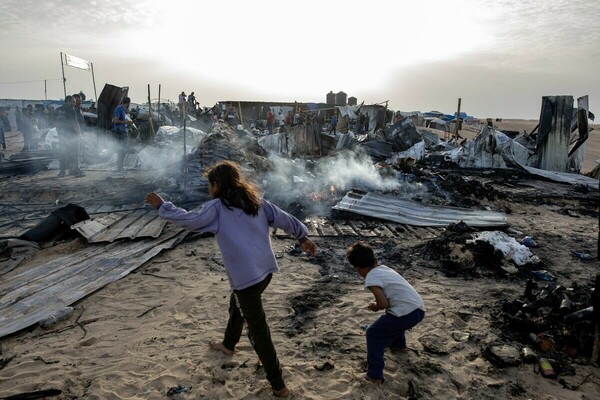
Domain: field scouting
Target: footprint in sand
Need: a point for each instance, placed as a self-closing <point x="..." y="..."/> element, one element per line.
<point x="88" y="342"/>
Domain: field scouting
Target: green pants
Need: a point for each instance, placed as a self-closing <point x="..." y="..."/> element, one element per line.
<point x="246" y="305"/>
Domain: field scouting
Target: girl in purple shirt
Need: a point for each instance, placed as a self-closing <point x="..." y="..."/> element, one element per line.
<point x="240" y="220"/>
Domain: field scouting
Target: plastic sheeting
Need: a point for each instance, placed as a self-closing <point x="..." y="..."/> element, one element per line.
<point x="167" y="132"/>
<point x="511" y="249"/>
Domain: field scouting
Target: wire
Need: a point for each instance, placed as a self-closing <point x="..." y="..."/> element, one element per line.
<point x="39" y="80"/>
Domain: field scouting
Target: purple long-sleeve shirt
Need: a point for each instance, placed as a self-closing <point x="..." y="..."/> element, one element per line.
<point x="243" y="239"/>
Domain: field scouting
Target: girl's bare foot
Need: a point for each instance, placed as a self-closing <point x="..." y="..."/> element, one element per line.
<point x="281" y="392"/>
<point x="377" y="381"/>
<point x="216" y="345"/>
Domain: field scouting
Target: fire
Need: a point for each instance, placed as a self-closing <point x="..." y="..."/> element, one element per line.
<point x="325" y="194"/>
<point x="316" y="196"/>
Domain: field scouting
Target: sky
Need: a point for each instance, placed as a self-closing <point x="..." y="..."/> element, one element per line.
<point x="500" y="57"/>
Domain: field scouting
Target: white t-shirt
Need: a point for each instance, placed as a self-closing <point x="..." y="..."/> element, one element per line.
<point x="402" y="297"/>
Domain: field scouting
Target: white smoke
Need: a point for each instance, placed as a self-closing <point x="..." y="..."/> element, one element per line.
<point x="318" y="184"/>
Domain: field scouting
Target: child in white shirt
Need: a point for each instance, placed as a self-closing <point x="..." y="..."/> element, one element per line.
<point x="404" y="307"/>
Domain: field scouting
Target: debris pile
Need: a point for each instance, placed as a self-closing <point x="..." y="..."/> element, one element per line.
<point x="551" y="322"/>
<point x="462" y="252"/>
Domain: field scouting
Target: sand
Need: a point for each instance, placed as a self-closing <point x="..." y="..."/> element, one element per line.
<point x="149" y="331"/>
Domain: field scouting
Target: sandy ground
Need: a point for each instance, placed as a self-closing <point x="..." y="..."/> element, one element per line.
<point x="149" y="331"/>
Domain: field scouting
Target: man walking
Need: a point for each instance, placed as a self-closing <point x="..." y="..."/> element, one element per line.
<point x="27" y="122"/>
<point x="120" y="128"/>
<point x="333" y="124"/>
<point x="68" y="134"/>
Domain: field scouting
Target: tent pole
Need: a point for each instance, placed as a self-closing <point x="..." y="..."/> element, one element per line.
<point x="158" y="102"/>
<point x="184" y="148"/>
<point x="62" y="65"/>
<point x="94" y="81"/>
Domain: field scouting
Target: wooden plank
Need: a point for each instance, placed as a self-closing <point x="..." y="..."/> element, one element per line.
<point x="344" y="228"/>
<point x="398" y="229"/>
<point x="361" y="230"/>
<point x="311" y="225"/>
<point x="384" y="231"/>
<point x="326" y="228"/>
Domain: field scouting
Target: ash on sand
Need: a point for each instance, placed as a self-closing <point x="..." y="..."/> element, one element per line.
<point x="322" y="293"/>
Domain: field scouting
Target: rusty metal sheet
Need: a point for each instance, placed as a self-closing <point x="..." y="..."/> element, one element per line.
<point x="416" y="214"/>
<point x="34" y="293"/>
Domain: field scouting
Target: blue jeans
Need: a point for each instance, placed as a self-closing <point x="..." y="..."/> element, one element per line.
<point x="388" y="331"/>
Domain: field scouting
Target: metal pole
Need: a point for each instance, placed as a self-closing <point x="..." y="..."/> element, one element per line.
<point x="159" y="101"/>
<point x="63" y="74"/>
<point x="241" y="116"/>
<point x="385" y="113"/>
<point x="457" y="119"/>
<point x="184" y="149"/>
<point x="150" y="113"/>
<point x="45" y="90"/>
<point x="94" y="81"/>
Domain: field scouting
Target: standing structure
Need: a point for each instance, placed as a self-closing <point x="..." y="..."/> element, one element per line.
<point x="331" y="98"/>
<point x="340" y="99"/>
<point x="554" y="132"/>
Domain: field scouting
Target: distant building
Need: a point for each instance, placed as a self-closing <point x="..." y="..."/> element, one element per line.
<point x="352" y="101"/>
<point x="330" y="98"/>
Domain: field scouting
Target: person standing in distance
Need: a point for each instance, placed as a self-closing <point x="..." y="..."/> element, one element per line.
<point x="76" y="165"/>
<point x="120" y="128"/>
<point x="68" y="132"/>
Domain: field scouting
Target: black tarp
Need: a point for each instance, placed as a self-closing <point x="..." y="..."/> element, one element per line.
<point x="57" y="225"/>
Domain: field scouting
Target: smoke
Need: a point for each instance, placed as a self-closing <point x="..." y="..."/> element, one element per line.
<point x="314" y="186"/>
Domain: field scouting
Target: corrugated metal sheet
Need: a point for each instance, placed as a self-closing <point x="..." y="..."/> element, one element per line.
<point x="564" y="177"/>
<point x="416" y="214"/>
<point x="554" y="132"/>
<point x="119" y="225"/>
<point x="16" y="220"/>
<point x="34" y="293"/>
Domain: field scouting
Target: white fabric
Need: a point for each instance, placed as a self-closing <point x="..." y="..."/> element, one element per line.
<point x="402" y="297"/>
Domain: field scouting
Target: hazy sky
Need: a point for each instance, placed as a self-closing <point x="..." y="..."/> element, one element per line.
<point x="500" y="56"/>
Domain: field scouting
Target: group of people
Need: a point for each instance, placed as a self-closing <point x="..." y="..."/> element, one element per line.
<point x="240" y="219"/>
<point x="300" y="117"/>
<point x="187" y="103"/>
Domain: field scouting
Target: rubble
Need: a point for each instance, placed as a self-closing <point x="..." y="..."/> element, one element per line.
<point x="542" y="318"/>
<point x="398" y="187"/>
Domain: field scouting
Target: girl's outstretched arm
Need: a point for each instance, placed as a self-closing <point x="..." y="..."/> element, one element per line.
<point x="291" y="225"/>
<point x="205" y="220"/>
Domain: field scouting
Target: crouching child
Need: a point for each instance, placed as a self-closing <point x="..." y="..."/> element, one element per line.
<point x="403" y="307"/>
